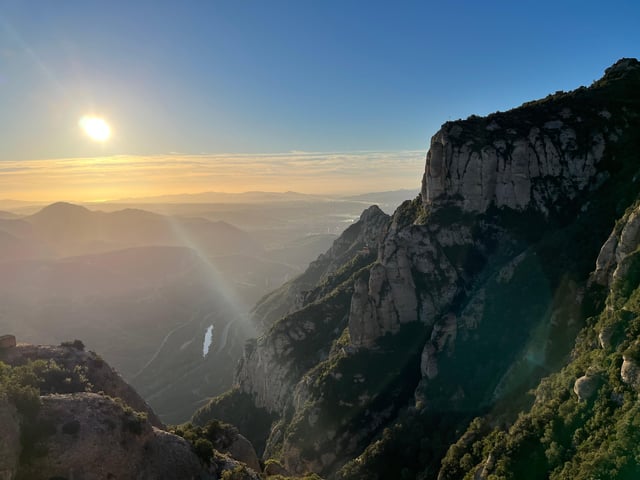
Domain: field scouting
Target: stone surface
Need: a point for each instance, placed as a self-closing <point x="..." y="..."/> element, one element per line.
<point x="275" y="468"/>
<point x="361" y="238"/>
<point x="630" y="372"/>
<point x="447" y="260"/>
<point x="624" y="240"/>
<point x="390" y="297"/>
<point x="99" y="373"/>
<point x="242" y="450"/>
<point x="506" y="171"/>
<point x="7" y="341"/>
<point x="93" y="437"/>
<point x="586" y="386"/>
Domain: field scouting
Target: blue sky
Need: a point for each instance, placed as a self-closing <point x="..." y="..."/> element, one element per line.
<point x="260" y="77"/>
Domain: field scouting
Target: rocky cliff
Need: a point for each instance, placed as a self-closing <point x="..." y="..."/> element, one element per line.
<point x="477" y="289"/>
<point x="54" y="425"/>
<point x="358" y="243"/>
<point x="582" y="422"/>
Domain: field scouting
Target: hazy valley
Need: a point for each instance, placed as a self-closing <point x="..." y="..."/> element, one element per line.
<point x="141" y="283"/>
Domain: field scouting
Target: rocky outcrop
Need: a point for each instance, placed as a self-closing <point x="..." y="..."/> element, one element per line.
<point x="242" y="450"/>
<point x="614" y="259"/>
<point x="389" y="297"/>
<point x="586" y="386"/>
<point x="99" y="373"/>
<point x="443" y="337"/>
<point x="273" y="363"/>
<point x="92" y="436"/>
<point x="274" y="467"/>
<point x="630" y="372"/>
<point x="7" y="341"/>
<point x="359" y="240"/>
<point x="535" y="168"/>
<point x="533" y="157"/>
<point x="468" y="275"/>
<point x="96" y="436"/>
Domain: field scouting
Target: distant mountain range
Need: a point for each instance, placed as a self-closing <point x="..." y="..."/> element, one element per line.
<point x="64" y="229"/>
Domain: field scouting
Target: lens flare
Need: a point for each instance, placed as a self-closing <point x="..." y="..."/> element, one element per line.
<point x="95" y="128"/>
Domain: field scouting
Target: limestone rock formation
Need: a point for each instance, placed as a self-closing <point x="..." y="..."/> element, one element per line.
<point x="94" y="436"/>
<point x="99" y="373"/>
<point x="7" y="341"/>
<point x="87" y="435"/>
<point x="614" y="258"/>
<point x="477" y="287"/>
<point x="585" y="387"/>
<point x="390" y="297"/>
<point x="510" y="170"/>
<point x="358" y="241"/>
<point x="630" y="372"/>
<point x="242" y="450"/>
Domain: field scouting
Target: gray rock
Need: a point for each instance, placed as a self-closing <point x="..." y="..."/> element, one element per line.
<point x="630" y="372"/>
<point x="586" y="386"/>
<point x="505" y="174"/>
<point x="389" y="299"/>
<point x="363" y="236"/>
<point x="613" y="260"/>
<point x="100" y="374"/>
<point x="7" y="341"/>
<point x="275" y="468"/>
<point x="92" y="437"/>
<point x="242" y="450"/>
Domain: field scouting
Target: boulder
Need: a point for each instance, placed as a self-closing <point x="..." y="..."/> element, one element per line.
<point x="586" y="386"/>
<point x="241" y="449"/>
<point x="630" y="372"/>
<point x="7" y="341"/>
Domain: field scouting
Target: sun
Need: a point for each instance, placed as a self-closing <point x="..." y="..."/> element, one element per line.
<point x="96" y="128"/>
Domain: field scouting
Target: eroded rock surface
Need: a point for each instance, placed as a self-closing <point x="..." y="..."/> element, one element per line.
<point x="532" y="168"/>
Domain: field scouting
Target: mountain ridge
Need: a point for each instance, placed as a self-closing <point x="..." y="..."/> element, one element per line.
<point x="478" y="247"/>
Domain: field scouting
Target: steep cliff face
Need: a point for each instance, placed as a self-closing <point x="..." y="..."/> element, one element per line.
<point x="583" y="420"/>
<point x="358" y="243"/>
<point x="477" y="289"/>
<point x="511" y="169"/>
<point x="550" y="153"/>
<point x="273" y="363"/>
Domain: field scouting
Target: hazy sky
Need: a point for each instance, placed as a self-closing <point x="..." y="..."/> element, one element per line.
<point x="185" y="82"/>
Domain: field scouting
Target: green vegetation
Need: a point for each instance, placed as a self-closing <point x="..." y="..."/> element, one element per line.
<point x="238" y="473"/>
<point x="24" y="384"/>
<point x="237" y="408"/>
<point x="516" y="324"/>
<point x="75" y="344"/>
<point x="560" y="437"/>
<point x="132" y="421"/>
<point x="349" y="395"/>
<point x="203" y="439"/>
<point x="308" y="476"/>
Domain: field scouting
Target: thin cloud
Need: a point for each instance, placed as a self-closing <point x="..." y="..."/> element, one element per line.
<point x="86" y="179"/>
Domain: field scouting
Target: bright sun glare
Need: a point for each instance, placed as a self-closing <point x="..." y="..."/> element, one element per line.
<point x="96" y="128"/>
